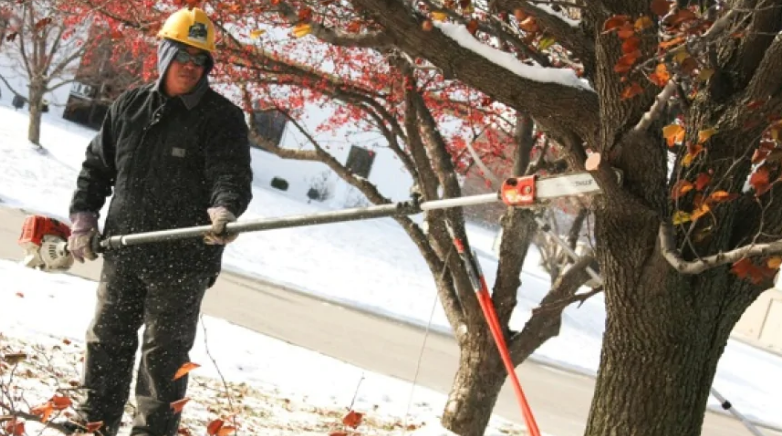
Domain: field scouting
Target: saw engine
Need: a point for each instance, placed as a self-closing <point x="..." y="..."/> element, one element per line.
<point x="45" y="241"/>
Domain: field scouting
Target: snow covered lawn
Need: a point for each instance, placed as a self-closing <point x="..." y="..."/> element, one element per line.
<point x="369" y="264"/>
<point x="270" y="387"/>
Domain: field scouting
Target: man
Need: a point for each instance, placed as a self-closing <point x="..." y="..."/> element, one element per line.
<point x="176" y="154"/>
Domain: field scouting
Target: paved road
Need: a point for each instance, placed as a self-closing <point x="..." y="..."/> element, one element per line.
<point x="559" y="399"/>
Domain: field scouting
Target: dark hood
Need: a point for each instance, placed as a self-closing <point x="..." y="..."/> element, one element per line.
<point x="166" y="51"/>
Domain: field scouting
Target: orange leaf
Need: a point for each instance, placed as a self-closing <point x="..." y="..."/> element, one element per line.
<point x="632" y="90"/>
<point x="352" y="419"/>
<point x="705" y="134"/>
<point x="631" y="44"/>
<point x="671" y="42"/>
<point x="226" y="430"/>
<point x="185" y="369"/>
<point x="720" y="196"/>
<point x="427" y="25"/>
<point x="44" y="411"/>
<point x="660" y="7"/>
<point x="702" y="181"/>
<point x="774" y="262"/>
<point x="338" y="433"/>
<point x="60" y="402"/>
<point x="643" y="23"/>
<point x="680" y="188"/>
<point x="178" y="405"/>
<point x="615" y="22"/>
<point x="519" y="14"/>
<point x="699" y="212"/>
<point x="529" y="24"/>
<point x="760" y="180"/>
<point x="660" y="76"/>
<point x="674" y="134"/>
<point x="214" y="427"/>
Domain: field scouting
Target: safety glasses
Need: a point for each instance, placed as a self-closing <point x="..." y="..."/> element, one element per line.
<point x="183" y="57"/>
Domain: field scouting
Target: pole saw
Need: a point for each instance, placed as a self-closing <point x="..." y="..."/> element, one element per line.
<point x="44" y="239"/>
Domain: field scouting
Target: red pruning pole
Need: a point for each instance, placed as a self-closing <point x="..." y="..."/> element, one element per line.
<point x="487" y="306"/>
<point x="519" y="192"/>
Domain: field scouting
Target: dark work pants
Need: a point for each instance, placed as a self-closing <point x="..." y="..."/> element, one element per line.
<point x="168" y="306"/>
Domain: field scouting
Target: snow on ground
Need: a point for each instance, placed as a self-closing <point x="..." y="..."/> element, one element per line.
<point x="274" y="388"/>
<point x="370" y="264"/>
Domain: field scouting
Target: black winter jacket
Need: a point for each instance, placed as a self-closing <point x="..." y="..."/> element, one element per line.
<point x="166" y="164"/>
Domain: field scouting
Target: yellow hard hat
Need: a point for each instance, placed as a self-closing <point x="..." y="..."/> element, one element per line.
<point x="190" y="26"/>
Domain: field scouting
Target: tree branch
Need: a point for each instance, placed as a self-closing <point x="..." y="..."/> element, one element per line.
<point x="671" y="254"/>
<point x="767" y="80"/>
<point x="547" y="318"/>
<point x="569" y="36"/>
<point x="376" y="40"/>
<point x="557" y="106"/>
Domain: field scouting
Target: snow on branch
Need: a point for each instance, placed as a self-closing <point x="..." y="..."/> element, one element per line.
<point x="562" y="76"/>
<point x="549" y="10"/>
<point x="672" y="255"/>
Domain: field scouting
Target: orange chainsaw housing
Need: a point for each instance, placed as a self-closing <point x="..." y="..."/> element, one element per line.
<point x="35" y="227"/>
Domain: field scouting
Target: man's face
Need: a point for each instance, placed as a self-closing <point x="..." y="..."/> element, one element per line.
<point x="184" y="74"/>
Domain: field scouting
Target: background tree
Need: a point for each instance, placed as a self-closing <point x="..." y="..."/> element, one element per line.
<point x="44" y="47"/>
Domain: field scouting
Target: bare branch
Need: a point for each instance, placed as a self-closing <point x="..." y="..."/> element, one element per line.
<point x="675" y="259"/>
<point x="658" y="107"/>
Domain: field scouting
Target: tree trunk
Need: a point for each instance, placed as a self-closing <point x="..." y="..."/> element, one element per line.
<point x="36" y="106"/>
<point x="476" y="386"/>
<point x="664" y="336"/>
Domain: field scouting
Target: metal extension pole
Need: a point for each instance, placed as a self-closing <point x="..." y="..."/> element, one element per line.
<point x="360" y="213"/>
<point x="729" y="407"/>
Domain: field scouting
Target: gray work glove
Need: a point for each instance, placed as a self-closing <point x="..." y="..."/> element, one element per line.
<point x="84" y="228"/>
<point x="220" y="216"/>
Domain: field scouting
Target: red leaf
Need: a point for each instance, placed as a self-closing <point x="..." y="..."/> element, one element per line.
<point x="702" y="181"/>
<point x="742" y="268"/>
<point x="92" y="427"/>
<point x="760" y="180"/>
<point x="631" y="44"/>
<point x="632" y="90"/>
<point x="14" y="427"/>
<point x="338" y="433"/>
<point x="660" y="7"/>
<point x="60" y="402"/>
<point x="615" y="22"/>
<point x="214" y="427"/>
<point x="353" y="419"/>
